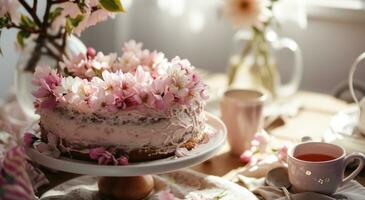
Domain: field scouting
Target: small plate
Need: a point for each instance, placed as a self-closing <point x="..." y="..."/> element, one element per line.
<point x="197" y="155"/>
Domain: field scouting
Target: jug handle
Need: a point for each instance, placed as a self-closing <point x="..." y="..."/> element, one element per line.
<point x="351" y="76"/>
<point x="291" y="87"/>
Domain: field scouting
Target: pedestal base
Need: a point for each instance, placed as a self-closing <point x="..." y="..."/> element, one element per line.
<point x="126" y="188"/>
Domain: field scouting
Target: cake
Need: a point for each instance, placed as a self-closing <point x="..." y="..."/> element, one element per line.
<point x="114" y="110"/>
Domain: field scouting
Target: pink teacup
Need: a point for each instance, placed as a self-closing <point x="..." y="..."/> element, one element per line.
<point x="319" y="167"/>
<point x="242" y="113"/>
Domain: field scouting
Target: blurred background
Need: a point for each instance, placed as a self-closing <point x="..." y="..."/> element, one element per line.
<point x="195" y="29"/>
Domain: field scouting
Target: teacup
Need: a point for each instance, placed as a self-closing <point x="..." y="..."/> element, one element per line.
<point x="319" y="167"/>
<point x="361" y="104"/>
<point x="242" y="112"/>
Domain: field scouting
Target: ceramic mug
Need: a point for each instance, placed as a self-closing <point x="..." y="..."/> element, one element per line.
<point x="242" y="112"/>
<point x="308" y="175"/>
<point x="361" y="104"/>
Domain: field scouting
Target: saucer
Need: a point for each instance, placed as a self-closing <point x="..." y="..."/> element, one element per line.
<point x="343" y="131"/>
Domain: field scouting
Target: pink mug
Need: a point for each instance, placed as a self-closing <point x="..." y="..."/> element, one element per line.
<point x="319" y="167"/>
<point x="242" y="113"/>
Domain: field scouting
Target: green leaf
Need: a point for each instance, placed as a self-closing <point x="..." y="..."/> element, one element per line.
<point x="112" y="5"/>
<point x="71" y="23"/>
<point x="4" y="21"/>
<point x="21" y="36"/>
<point x="69" y="27"/>
<point x="27" y="22"/>
<point x="76" y="21"/>
<point x="55" y="13"/>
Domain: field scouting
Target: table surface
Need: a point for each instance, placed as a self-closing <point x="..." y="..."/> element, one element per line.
<point x="312" y="120"/>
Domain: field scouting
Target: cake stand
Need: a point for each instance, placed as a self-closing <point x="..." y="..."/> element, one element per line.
<point x="134" y="181"/>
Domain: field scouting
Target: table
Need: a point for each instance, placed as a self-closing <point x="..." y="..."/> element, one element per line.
<point x="312" y="120"/>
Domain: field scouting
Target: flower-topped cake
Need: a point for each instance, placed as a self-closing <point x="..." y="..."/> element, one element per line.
<point x="135" y="107"/>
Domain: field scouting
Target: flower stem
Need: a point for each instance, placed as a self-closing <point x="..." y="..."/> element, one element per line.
<point x="31" y="12"/>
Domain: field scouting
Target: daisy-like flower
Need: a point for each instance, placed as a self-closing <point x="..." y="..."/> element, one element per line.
<point x="178" y="75"/>
<point x="127" y="63"/>
<point x="245" y="13"/>
<point x="87" y="65"/>
<point x="102" y="62"/>
<point x="146" y="80"/>
<point x="10" y="7"/>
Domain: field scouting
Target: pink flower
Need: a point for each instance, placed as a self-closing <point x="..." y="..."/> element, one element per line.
<point x="122" y="160"/>
<point x="245" y="13"/>
<point x="246" y="157"/>
<point x="127" y="63"/>
<point x="28" y="139"/>
<point x="261" y="142"/>
<point x="10" y="7"/>
<point x="91" y="53"/>
<point x="166" y="195"/>
<point x="47" y="80"/>
<point x="151" y="60"/>
<point x="283" y="153"/>
<point x="104" y="157"/>
<point x="133" y="47"/>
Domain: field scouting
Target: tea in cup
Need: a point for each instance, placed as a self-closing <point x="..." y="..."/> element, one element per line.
<point x="319" y="167"/>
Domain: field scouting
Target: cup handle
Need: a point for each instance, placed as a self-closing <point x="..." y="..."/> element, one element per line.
<point x="351" y="76"/>
<point x="292" y="86"/>
<point x="356" y="156"/>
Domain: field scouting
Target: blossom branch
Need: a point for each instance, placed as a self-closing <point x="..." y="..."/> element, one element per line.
<point x="31" y="12"/>
<point x="35" y="3"/>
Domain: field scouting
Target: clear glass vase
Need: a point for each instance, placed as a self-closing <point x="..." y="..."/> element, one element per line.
<point x="256" y="68"/>
<point x="24" y="76"/>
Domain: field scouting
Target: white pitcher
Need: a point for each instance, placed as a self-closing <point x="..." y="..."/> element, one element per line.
<point x="361" y="104"/>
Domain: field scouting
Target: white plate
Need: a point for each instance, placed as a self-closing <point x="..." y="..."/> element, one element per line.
<point x="342" y="131"/>
<point x="197" y="155"/>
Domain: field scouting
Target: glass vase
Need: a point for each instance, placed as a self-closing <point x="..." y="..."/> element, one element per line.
<point x="25" y="69"/>
<point x="256" y="68"/>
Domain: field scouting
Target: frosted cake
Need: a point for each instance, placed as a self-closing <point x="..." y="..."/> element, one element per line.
<point x="115" y="110"/>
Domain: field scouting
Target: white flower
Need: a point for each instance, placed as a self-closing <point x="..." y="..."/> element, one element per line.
<point x="132" y="46"/>
<point x="143" y="77"/>
<point x="112" y="79"/>
<point x="245" y="13"/>
<point x="103" y="62"/>
<point x="10" y="7"/>
<point x="179" y="80"/>
<point x="127" y="63"/>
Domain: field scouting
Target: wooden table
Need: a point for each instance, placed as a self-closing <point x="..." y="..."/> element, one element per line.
<point x="312" y="120"/>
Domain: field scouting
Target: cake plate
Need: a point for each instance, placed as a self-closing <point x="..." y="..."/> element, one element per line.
<point x="134" y="181"/>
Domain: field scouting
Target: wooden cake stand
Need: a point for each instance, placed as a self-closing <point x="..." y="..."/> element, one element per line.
<point x="134" y="181"/>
